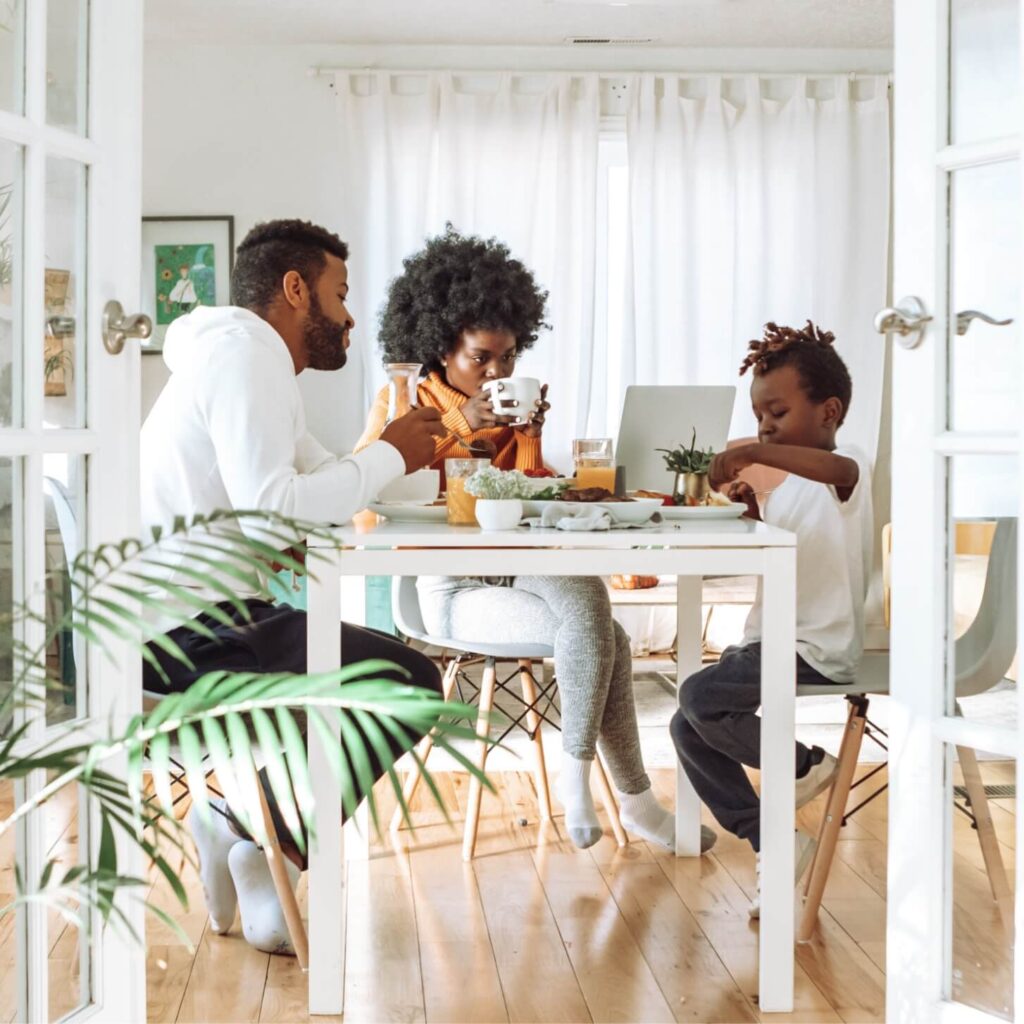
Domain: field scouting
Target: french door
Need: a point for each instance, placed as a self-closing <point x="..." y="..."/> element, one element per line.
<point x="955" y="837"/>
<point x="70" y="126"/>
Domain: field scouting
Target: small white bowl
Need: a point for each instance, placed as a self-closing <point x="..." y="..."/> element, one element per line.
<point x="498" y="514"/>
<point x="419" y="488"/>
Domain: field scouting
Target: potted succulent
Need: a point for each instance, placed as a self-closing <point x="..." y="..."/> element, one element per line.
<point x="690" y="465"/>
<point x="499" y="495"/>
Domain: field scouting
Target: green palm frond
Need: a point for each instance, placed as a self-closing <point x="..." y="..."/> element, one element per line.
<point x="233" y="723"/>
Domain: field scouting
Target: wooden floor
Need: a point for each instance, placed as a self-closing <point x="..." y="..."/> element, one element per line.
<point x="535" y="930"/>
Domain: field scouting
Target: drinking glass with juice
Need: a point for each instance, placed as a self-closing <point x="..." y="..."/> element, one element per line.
<point x="595" y="466"/>
<point x="461" y="505"/>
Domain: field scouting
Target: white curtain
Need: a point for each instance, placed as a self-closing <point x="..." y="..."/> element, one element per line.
<point x="512" y="156"/>
<point x="756" y="199"/>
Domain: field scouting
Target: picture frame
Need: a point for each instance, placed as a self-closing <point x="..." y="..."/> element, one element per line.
<point x="186" y="262"/>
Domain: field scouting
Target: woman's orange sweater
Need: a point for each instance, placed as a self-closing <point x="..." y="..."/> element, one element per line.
<point x="515" y="449"/>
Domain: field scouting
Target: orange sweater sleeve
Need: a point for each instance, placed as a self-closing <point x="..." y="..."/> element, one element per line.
<point x="528" y="452"/>
<point x="375" y="421"/>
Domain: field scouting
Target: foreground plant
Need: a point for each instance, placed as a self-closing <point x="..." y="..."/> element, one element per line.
<point x="226" y="722"/>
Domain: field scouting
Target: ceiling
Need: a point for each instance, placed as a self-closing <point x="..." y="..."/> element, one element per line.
<point x="845" y="24"/>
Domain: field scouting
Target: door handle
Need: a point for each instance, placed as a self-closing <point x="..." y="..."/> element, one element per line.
<point x="907" y="321"/>
<point x="964" y="318"/>
<point x="118" y="328"/>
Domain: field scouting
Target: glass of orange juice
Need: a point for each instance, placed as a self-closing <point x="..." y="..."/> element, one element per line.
<point x="461" y="505"/>
<point x="595" y="465"/>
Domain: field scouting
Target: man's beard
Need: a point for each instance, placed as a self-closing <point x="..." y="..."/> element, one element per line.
<point x="324" y="339"/>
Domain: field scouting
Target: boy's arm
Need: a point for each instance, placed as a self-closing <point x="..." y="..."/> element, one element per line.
<point x="811" y="463"/>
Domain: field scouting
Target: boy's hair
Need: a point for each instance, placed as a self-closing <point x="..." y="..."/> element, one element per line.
<point x="270" y="250"/>
<point x="823" y="374"/>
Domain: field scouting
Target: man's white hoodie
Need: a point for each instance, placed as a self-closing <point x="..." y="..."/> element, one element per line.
<point x="229" y="431"/>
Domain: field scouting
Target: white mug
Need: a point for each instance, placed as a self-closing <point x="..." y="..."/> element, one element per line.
<point x="514" y="397"/>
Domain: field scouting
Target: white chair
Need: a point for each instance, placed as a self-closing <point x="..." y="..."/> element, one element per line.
<point x="405" y="606"/>
<point x="983" y="655"/>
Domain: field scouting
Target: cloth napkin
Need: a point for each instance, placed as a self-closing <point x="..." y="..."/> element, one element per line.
<point x="570" y="516"/>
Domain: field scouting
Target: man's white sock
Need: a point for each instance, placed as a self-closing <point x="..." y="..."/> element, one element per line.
<point x="263" y="923"/>
<point x="214" y="840"/>
<point x="641" y="813"/>
<point x="574" y="788"/>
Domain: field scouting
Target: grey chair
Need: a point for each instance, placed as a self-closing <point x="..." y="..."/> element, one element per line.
<point x="537" y="701"/>
<point x="983" y="655"/>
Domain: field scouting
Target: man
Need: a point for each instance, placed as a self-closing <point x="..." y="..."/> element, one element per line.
<point x="228" y="432"/>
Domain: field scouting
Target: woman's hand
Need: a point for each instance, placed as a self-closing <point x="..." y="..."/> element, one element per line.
<point x="535" y="421"/>
<point x="480" y="413"/>
<point x="726" y="466"/>
<point x="741" y="491"/>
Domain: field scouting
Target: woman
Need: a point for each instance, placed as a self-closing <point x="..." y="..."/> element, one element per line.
<point x="466" y="310"/>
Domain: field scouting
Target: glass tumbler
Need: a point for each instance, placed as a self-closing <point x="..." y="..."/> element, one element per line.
<point x="461" y="506"/>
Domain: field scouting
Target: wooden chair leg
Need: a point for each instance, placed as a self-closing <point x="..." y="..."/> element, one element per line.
<point x="424" y="747"/>
<point x="533" y="722"/>
<point x="987" y="836"/>
<point x="608" y="799"/>
<point x="487" y="687"/>
<point x="833" y="818"/>
<point x="283" y="887"/>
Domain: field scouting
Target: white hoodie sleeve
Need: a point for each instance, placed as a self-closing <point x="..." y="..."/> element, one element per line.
<point x="267" y="460"/>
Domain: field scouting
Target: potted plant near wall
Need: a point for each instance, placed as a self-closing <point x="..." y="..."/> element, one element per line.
<point x="690" y="465"/>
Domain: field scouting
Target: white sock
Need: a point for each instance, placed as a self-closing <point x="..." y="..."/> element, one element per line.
<point x="263" y="923"/>
<point x="214" y="840"/>
<point x="641" y="813"/>
<point x="574" y="788"/>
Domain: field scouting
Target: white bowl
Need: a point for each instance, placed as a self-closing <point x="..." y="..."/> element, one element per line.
<point x="498" y="514"/>
<point x="420" y="487"/>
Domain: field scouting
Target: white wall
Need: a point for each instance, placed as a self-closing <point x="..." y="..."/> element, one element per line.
<point x="246" y="131"/>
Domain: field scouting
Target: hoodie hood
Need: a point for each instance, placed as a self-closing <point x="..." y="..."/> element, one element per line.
<point x="192" y="339"/>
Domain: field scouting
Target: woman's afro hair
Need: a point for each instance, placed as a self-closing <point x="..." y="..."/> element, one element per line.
<point x="458" y="283"/>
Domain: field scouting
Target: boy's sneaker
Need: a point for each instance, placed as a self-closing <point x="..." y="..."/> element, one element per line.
<point x="817" y="780"/>
<point x="805" y="847"/>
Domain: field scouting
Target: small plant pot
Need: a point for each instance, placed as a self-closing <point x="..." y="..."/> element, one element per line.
<point x="691" y="488"/>
<point x="498" y="514"/>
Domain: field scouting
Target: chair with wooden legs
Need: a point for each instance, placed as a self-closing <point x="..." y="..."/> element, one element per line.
<point x="983" y="655"/>
<point x="537" y="702"/>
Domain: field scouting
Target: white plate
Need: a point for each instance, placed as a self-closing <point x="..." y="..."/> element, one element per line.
<point x="639" y="510"/>
<point x="408" y="512"/>
<point x="731" y="511"/>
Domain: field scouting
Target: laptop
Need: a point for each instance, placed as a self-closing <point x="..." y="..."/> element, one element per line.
<point x="665" y="416"/>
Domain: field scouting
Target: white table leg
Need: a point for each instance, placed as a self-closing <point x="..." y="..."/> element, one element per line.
<point x="357" y="828"/>
<point x="778" y="713"/>
<point x="689" y="597"/>
<point x="327" y="895"/>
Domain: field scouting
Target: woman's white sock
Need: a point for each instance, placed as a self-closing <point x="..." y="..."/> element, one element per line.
<point x="214" y="840"/>
<point x="574" y="788"/>
<point x="263" y="923"/>
<point x="641" y="813"/>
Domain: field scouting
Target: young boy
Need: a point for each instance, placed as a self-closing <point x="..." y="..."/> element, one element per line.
<point x="800" y="394"/>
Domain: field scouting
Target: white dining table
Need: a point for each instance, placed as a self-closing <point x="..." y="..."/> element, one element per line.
<point x="688" y="550"/>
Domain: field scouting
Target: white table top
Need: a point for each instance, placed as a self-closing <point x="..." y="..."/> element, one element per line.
<point x="712" y="533"/>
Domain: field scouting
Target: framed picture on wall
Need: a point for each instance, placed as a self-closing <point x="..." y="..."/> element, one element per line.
<point x="186" y="263"/>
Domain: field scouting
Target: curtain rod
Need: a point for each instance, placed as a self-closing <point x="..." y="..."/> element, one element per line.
<point x="317" y="71"/>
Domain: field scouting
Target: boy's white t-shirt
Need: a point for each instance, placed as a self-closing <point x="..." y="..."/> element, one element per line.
<point x="834" y="551"/>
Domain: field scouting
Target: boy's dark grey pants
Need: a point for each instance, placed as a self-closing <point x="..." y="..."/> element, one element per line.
<point x="716" y="732"/>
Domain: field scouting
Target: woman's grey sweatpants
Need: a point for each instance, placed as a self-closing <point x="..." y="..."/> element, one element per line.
<point x="593" y="663"/>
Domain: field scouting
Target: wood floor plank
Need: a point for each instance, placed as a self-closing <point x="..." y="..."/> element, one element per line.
<point x="616" y="980"/>
<point x="168" y="968"/>
<point x="537" y="976"/>
<point x="382" y="969"/>
<point x="692" y="977"/>
<point x="226" y="982"/>
<point x="460" y="977"/>
<point x="286" y="997"/>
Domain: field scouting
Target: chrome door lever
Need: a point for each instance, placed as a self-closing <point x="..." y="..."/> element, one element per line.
<point x="964" y="318"/>
<point x="118" y="328"/>
<point x="907" y="321"/>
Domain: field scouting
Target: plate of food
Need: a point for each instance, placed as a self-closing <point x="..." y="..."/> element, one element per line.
<point x="410" y="511"/>
<point x="633" y="511"/>
<point x="714" y="506"/>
